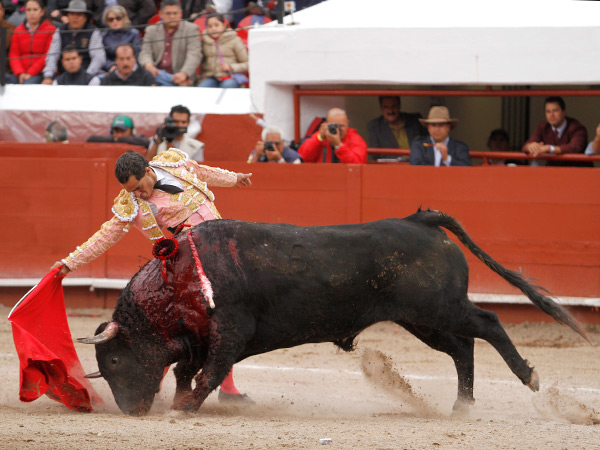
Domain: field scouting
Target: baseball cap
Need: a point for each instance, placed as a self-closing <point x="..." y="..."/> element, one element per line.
<point x="122" y="122"/>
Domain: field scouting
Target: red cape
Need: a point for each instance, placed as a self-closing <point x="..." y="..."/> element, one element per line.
<point x="49" y="363"/>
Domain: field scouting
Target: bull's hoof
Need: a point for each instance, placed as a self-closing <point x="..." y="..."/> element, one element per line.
<point x="534" y="381"/>
<point x="235" y="398"/>
<point x="178" y="414"/>
<point x="461" y="406"/>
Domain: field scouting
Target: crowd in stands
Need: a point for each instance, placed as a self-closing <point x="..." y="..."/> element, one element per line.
<point x="430" y="142"/>
<point x="178" y="42"/>
<point x="332" y="140"/>
<point x="196" y="43"/>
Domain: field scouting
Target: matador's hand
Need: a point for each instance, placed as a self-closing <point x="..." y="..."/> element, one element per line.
<point x="64" y="269"/>
<point x="243" y="179"/>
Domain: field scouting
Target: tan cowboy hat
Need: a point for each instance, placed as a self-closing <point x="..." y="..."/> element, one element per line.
<point x="439" y="114"/>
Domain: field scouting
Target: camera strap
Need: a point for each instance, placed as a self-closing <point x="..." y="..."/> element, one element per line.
<point x="333" y="157"/>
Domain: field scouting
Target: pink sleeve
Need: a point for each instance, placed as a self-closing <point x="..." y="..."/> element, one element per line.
<point x="109" y="234"/>
<point x="212" y="176"/>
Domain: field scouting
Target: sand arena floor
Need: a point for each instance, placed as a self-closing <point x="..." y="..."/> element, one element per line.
<point x="314" y="392"/>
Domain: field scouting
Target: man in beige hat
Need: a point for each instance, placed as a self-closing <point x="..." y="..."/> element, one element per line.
<point x="439" y="149"/>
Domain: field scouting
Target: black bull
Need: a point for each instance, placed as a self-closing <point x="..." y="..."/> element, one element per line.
<point x="278" y="286"/>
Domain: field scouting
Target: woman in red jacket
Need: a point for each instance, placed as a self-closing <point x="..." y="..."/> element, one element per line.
<point x="30" y="43"/>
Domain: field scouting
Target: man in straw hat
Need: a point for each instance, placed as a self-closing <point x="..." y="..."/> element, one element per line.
<point x="80" y="33"/>
<point x="439" y="149"/>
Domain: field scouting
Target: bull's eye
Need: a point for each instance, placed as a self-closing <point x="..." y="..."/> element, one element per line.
<point x="114" y="360"/>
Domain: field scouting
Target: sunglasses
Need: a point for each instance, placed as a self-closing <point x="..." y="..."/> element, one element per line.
<point x="113" y="19"/>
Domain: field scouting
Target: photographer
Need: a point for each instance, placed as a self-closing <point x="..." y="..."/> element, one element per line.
<point x="335" y="142"/>
<point x="273" y="149"/>
<point x="122" y="130"/>
<point x="172" y="134"/>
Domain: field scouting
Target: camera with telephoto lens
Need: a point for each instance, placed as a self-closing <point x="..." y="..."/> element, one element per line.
<point x="169" y="130"/>
<point x="269" y="146"/>
<point x="332" y="128"/>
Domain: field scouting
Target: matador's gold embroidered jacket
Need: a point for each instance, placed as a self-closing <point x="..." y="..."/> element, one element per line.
<point x="192" y="206"/>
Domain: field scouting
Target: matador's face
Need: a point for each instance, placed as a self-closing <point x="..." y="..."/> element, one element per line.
<point x="143" y="187"/>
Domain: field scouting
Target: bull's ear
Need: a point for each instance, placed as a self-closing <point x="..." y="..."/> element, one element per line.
<point x="94" y="375"/>
<point x="109" y="333"/>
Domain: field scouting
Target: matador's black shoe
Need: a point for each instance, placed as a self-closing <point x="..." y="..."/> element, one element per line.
<point x="235" y="398"/>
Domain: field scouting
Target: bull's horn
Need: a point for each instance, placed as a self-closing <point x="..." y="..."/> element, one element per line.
<point x="109" y="332"/>
<point x="94" y="375"/>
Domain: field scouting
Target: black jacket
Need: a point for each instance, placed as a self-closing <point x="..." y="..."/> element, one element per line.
<point x="139" y="77"/>
<point x="422" y="155"/>
<point x="138" y="139"/>
<point x="81" y="78"/>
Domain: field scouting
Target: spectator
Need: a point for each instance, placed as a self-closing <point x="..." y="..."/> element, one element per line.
<point x="335" y="142"/>
<point x="54" y="10"/>
<point x="439" y="149"/>
<point x="122" y="130"/>
<point x="191" y="9"/>
<point x="258" y="8"/>
<point x="138" y="11"/>
<point x="119" y="31"/>
<point x="272" y="149"/>
<point x="74" y="73"/>
<point x="393" y="129"/>
<point x="30" y="44"/>
<point x="57" y="132"/>
<point x="127" y="72"/>
<point x="172" y="133"/>
<point x="10" y="27"/>
<point x="225" y="56"/>
<point x="223" y="7"/>
<point x="558" y="134"/>
<point x="171" y="49"/>
<point x="500" y="142"/>
<point x="78" y="31"/>
<point x="15" y="11"/>
<point x="593" y="147"/>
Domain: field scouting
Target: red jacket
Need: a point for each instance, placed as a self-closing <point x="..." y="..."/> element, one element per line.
<point x="573" y="140"/>
<point x="34" y="45"/>
<point x="353" y="149"/>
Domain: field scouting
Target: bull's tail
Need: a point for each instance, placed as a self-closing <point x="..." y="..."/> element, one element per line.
<point x="549" y="306"/>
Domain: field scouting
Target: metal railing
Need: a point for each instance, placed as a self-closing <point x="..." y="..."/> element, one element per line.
<point x="484" y="91"/>
<point x="486" y="156"/>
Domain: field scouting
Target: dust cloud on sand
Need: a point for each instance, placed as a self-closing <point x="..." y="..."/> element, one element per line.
<point x="379" y="370"/>
<point x="552" y="403"/>
<point x="317" y="391"/>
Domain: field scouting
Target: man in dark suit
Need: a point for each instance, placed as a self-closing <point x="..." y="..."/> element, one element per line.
<point x="558" y="134"/>
<point x="393" y="129"/>
<point x="439" y="149"/>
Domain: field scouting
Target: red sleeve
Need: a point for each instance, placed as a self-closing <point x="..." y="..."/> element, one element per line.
<point x="577" y="140"/>
<point x="537" y="135"/>
<point x="16" y="64"/>
<point x="353" y="149"/>
<point x="311" y="150"/>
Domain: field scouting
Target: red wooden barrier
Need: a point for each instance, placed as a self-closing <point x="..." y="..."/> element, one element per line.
<point x="545" y="222"/>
